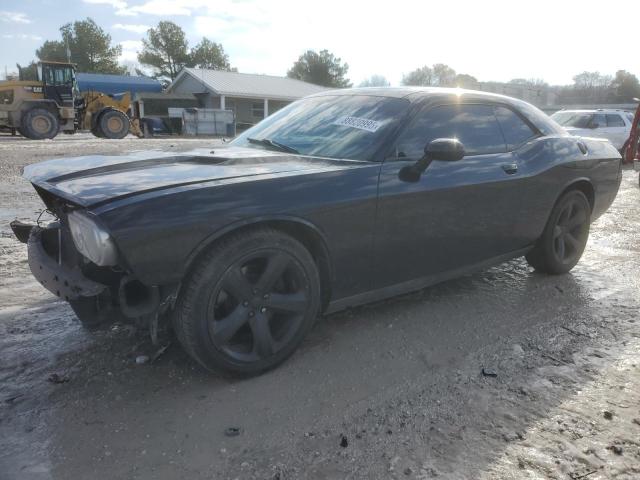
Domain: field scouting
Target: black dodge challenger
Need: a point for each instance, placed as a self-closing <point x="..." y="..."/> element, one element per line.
<point x="341" y="198"/>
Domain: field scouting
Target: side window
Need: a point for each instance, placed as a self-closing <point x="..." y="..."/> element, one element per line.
<point x="614" y="120"/>
<point x="515" y="130"/>
<point x="600" y="119"/>
<point x="475" y="126"/>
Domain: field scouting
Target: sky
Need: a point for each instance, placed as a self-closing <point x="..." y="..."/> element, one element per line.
<point x="493" y="40"/>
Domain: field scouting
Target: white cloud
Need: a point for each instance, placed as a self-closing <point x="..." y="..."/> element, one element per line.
<point x="14" y="17"/>
<point x="168" y="7"/>
<point x="118" y="4"/>
<point x="130" y="49"/>
<point x="22" y="36"/>
<point x="131" y="28"/>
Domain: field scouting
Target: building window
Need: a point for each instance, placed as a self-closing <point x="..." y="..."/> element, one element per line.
<point x="257" y="109"/>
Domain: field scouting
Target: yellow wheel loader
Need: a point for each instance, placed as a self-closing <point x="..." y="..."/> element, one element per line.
<point x="40" y="109"/>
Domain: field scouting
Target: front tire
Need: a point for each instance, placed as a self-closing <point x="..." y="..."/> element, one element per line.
<point x="248" y="303"/>
<point x="113" y="124"/>
<point x="565" y="235"/>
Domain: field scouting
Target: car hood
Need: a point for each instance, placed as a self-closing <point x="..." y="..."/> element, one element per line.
<point x="93" y="180"/>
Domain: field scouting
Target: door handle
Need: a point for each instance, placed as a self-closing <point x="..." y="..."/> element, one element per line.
<point x="510" y="168"/>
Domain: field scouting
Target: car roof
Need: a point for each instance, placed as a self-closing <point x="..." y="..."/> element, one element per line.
<point x="434" y="94"/>
<point x="593" y="110"/>
<point x="416" y="93"/>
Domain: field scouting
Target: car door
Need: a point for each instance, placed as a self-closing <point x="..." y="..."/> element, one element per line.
<point x="457" y="213"/>
<point x="598" y="126"/>
<point x="617" y="130"/>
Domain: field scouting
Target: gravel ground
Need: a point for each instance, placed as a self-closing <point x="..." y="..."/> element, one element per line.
<point x="390" y="390"/>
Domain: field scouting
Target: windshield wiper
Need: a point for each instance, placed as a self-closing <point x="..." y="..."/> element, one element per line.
<point x="273" y="144"/>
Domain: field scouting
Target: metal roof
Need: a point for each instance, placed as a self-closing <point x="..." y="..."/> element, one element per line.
<point x="248" y="85"/>
<point x="164" y="96"/>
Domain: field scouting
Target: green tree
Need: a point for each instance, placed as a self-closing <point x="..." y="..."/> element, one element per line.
<point x="165" y="49"/>
<point x="591" y="80"/>
<point x="30" y="72"/>
<point x="590" y="87"/>
<point x="52" y="50"/>
<point x="208" y="54"/>
<point x="443" y="75"/>
<point x="322" y="68"/>
<point x="375" y="81"/>
<point x="89" y="47"/>
<point x="625" y="86"/>
<point x="420" y="77"/>
<point x="529" y="82"/>
<point x="464" y="80"/>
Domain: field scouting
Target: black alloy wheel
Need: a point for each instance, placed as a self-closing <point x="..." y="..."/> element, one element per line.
<point x="258" y="306"/>
<point x="248" y="302"/>
<point x="565" y="236"/>
<point x="570" y="232"/>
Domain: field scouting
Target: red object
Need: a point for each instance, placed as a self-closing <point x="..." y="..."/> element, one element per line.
<point x="633" y="145"/>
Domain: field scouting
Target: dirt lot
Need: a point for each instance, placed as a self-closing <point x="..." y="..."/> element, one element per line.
<point x="390" y="390"/>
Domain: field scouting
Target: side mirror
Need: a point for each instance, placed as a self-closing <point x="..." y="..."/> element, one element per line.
<point x="445" y="149"/>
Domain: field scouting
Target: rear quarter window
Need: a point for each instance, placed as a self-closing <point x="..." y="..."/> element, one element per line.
<point x="614" y="120"/>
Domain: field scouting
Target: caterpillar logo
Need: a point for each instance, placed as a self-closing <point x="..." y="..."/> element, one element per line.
<point x="33" y="89"/>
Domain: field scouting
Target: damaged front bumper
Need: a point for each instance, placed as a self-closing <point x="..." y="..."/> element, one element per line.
<point x="60" y="268"/>
<point x="49" y="262"/>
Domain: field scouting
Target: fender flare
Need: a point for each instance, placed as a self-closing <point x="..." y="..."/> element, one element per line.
<point x="27" y="105"/>
<point x="326" y="269"/>
<point x="575" y="181"/>
<point x="255" y="221"/>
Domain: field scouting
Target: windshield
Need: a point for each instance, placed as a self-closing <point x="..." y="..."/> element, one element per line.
<point x="573" y="119"/>
<point x="341" y="126"/>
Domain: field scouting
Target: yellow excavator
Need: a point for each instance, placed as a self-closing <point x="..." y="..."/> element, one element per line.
<point x="40" y="109"/>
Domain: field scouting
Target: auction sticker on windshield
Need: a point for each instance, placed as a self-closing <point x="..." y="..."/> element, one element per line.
<point x="359" y="123"/>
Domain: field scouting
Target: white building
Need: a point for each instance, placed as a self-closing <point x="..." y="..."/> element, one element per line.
<point x="252" y="97"/>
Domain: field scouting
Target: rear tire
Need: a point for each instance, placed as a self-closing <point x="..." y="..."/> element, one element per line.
<point x="113" y="124"/>
<point x="565" y="235"/>
<point x="40" y="124"/>
<point x="248" y="303"/>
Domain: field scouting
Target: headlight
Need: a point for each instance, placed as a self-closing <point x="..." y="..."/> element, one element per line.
<point x="91" y="240"/>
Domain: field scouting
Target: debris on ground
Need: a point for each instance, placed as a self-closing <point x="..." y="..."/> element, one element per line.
<point x="159" y="352"/>
<point x="617" y="449"/>
<point x="142" y="359"/>
<point x="57" y="378"/>
<point x="232" y="431"/>
<point x="487" y="372"/>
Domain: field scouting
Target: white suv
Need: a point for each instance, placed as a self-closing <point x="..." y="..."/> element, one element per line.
<point x="614" y="125"/>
